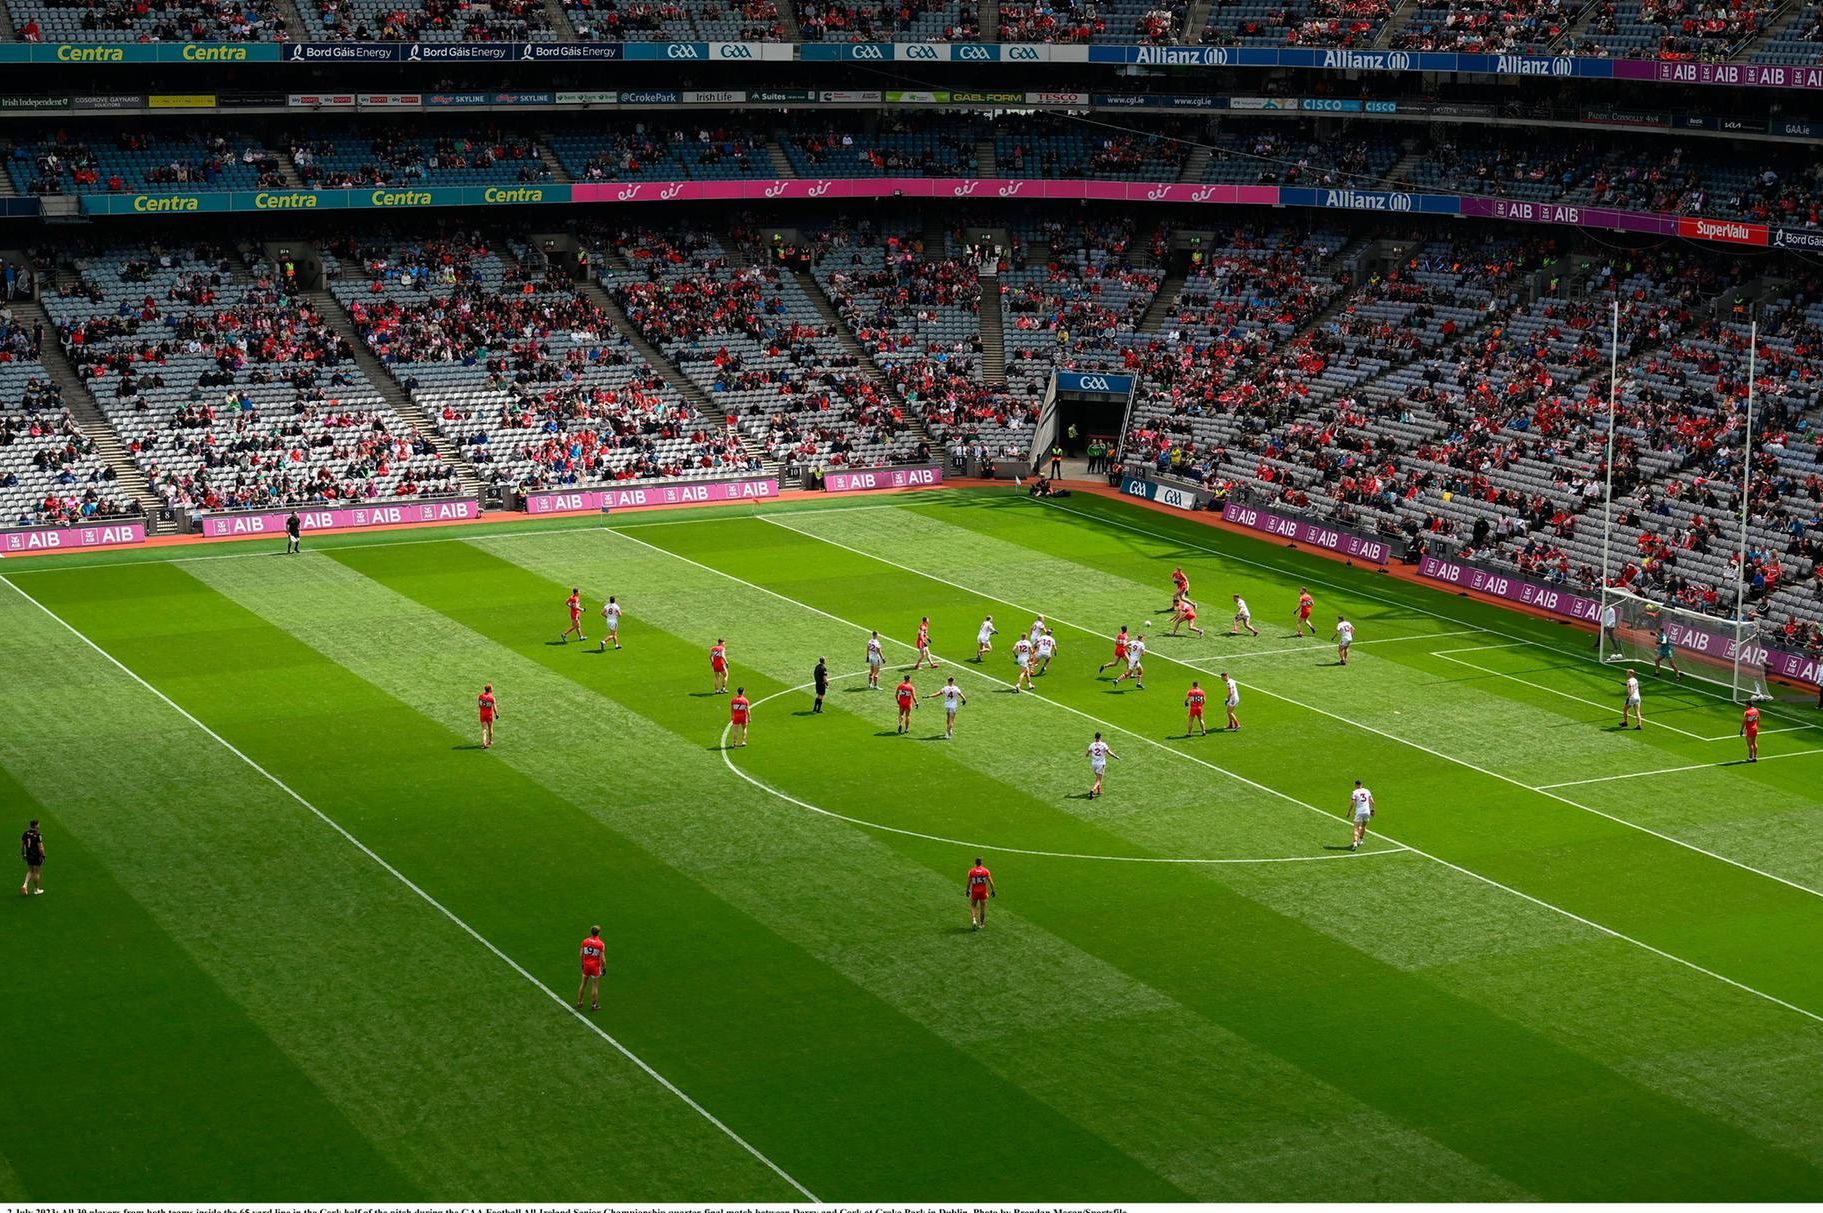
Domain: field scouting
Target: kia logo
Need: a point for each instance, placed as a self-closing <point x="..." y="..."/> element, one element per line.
<point x="920" y="51"/>
<point x="736" y="50"/>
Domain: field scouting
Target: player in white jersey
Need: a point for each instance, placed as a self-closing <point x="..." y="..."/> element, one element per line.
<point x="984" y="639"/>
<point x="1136" y="670"/>
<point x="1629" y="707"/>
<point x="1233" y="701"/>
<point x="1047" y="649"/>
<point x="1345" y="636"/>
<point x="1243" y="618"/>
<point x="1361" y="809"/>
<point x="875" y="659"/>
<point x="610" y="618"/>
<point x="952" y="698"/>
<point x="1022" y="657"/>
<point x="1098" y="754"/>
<point x="1035" y="631"/>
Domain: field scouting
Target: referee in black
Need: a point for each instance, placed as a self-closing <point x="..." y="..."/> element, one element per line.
<point x="294" y="534"/>
<point x="820" y="676"/>
<point x="31" y="849"/>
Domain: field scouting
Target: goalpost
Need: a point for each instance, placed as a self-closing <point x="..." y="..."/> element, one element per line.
<point x="1725" y="653"/>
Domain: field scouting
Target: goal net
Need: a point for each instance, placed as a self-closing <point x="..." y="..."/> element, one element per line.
<point x="1722" y="652"/>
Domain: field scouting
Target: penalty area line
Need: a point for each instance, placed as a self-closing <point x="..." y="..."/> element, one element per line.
<point x="429" y="900"/>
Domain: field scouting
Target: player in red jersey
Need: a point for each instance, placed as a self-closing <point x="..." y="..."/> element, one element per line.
<point x="923" y="646"/>
<point x="594" y="960"/>
<point x="980" y="887"/>
<point x="718" y="665"/>
<point x="1305" y="604"/>
<point x="738" y="711"/>
<point x="1750" y="729"/>
<point x="1120" y="651"/>
<point x="1186" y="617"/>
<point x="575" y="605"/>
<point x="1194" y="700"/>
<point x="907" y="695"/>
<point x="489" y="710"/>
<point x="1180" y="588"/>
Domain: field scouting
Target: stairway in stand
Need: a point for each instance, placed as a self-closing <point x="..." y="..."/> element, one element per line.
<point x="1196" y="163"/>
<point x="1194" y="20"/>
<point x="394" y="395"/>
<point x="560" y="21"/>
<point x="863" y="360"/>
<point x="92" y="421"/>
<point x="993" y="329"/>
<point x="681" y="383"/>
<point x="781" y="163"/>
<point x="987" y="162"/>
<point x="1164" y="303"/>
<point x="551" y="162"/>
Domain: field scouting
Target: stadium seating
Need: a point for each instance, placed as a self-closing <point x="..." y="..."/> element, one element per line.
<point x="903" y="147"/>
<point x="904" y="21"/>
<point x="527" y="376"/>
<point x="651" y="152"/>
<point x="349" y="160"/>
<point x="1071" y="296"/>
<point x="50" y="474"/>
<point x="1336" y="23"/>
<point x="1490" y="27"/>
<point x="228" y="392"/>
<point x="141" y="161"/>
<point x="428" y="20"/>
<point x="148" y="20"/>
<point x="750" y="337"/>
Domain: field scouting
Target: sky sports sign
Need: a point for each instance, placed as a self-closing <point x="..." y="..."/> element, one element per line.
<point x="1297" y="530"/>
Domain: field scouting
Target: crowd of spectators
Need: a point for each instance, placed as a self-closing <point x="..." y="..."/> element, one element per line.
<point x="400" y="158"/>
<point x="431" y="20"/>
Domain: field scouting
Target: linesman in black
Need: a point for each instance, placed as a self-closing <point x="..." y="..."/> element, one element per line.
<point x="820" y="676"/>
<point x="31" y="849"/>
<point x="294" y="534"/>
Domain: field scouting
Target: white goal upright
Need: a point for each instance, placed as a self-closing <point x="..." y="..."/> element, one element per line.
<point x="1725" y="653"/>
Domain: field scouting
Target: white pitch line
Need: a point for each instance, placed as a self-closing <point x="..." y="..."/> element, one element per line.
<point x="1319" y="645"/>
<point x="983" y="674"/>
<point x="1450" y="758"/>
<point x="1437" y="859"/>
<point x="1697" y="766"/>
<point x="1353" y="591"/>
<point x="474" y="534"/>
<point x="447" y="913"/>
<point x="992" y="848"/>
<point x="1526" y="682"/>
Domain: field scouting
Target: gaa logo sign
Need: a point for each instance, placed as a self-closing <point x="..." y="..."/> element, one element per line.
<point x="736" y="50"/>
<point x="1399" y="202"/>
<point x="919" y="50"/>
<point x="1022" y="54"/>
<point x="1563" y="65"/>
<point x="867" y="50"/>
<point x="973" y="54"/>
<point x="681" y="50"/>
<point x="1092" y="383"/>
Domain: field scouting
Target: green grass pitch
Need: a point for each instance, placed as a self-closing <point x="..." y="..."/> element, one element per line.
<point x="302" y="940"/>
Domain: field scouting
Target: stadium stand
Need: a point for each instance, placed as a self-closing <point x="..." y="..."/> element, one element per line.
<point x="134" y="161"/>
<point x="486" y="157"/>
<point x="148" y="20"/>
<point x="428" y="20"/>
<point x="50" y="473"/>
<point x="751" y="338"/>
<point x="228" y="391"/>
<point x="649" y="152"/>
<point x="527" y="375"/>
<point x="1329" y="23"/>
